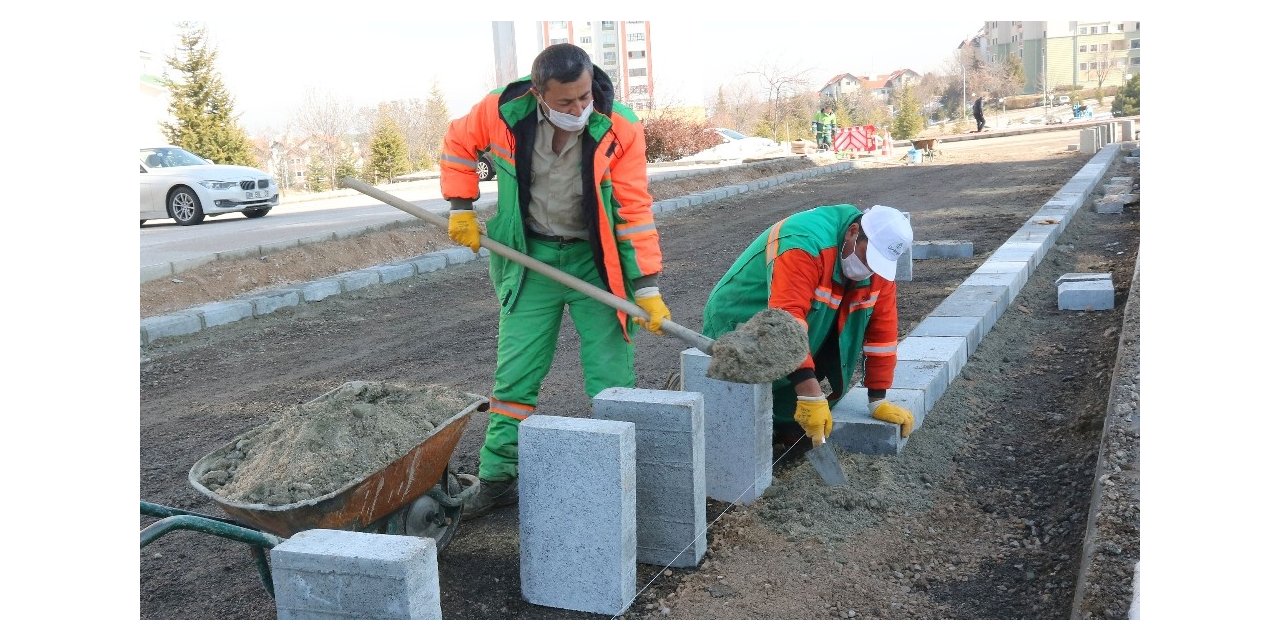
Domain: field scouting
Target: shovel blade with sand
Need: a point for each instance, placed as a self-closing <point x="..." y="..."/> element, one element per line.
<point x="825" y="462"/>
<point x="767" y="347"/>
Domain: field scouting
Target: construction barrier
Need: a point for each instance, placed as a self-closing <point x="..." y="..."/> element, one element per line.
<point x="860" y="139"/>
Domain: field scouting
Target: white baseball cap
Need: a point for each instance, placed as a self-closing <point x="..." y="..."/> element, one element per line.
<point x="889" y="235"/>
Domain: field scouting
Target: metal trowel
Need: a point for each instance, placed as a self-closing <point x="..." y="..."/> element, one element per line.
<point x="825" y="462"/>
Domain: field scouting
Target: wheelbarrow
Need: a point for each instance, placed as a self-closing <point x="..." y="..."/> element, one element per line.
<point x="927" y="146"/>
<point x="417" y="494"/>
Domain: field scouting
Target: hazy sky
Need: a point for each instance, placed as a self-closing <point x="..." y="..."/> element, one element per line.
<point x="379" y="56"/>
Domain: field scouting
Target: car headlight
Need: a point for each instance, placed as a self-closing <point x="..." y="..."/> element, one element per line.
<point x="217" y="184"/>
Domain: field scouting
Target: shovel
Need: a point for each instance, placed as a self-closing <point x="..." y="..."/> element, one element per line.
<point x="689" y="336"/>
<point x="824" y="461"/>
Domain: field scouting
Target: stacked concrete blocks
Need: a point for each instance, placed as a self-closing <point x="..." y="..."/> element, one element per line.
<point x="854" y="429"/>
<point x="739" y="431"/>
<point x="578" y="513"/>
<point x="671" y="489"/>
<point x="1086" y="292"/>
<point x="325" y="574"/>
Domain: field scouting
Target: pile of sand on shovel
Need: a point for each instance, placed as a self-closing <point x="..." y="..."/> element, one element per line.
<point x="769" y="346"/>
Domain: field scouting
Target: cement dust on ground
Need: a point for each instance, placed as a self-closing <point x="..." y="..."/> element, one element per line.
<point x="980" y="517"/>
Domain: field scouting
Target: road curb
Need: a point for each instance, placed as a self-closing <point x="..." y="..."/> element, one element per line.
<point x="208" y="315"/>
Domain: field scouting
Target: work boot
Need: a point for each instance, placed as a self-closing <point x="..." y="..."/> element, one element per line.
<point x="491" y="495"/>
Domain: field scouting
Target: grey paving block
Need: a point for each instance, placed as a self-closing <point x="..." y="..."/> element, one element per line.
<point x="951" y="327"/>
<point x="327" y="574"/>
<point x="268" y="248"/>
<point x="429" y="262"/>
<point x="273" y="301"/>
<point x="1109" y="204"/>
<point x="151" y="272"/>
<point x="191" y="263"/>
<point x="166" y="326"/>
<point x="927" y="376"/>
<point x="395" y="271"/>
<point x="359" y="279"/>
<point x="671" y="490"/>
<point x="318" y="290"/>
<point x="1012" y="280"/>
<point x="1082" y="277"/>
<point x="1116" y="189"/>
<point x="739" y="431"/>
<point x="317" y="238"/>
<point x="953" y="351"/>
<point x="1014" y="251"/>
<point x="458" y="255"/>
<point x="930" y="249"/>
<point x="854" y="429"/>
<point x="484" y="253"/>
<point x="236" y="254"/>
<point x="988" y="306"/>
<point x="219" y="313"/>
<point x="1132" y="160"/>
<point x="577" y="513"/>
<point x="1086" y="295"/>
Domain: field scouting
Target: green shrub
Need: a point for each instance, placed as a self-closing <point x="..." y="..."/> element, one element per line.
<point x="1126" y="102"/>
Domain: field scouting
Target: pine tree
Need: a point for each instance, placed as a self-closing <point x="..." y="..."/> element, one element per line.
<point x="202" y="108"/>
<point x="437" y="123"/>
<point x="317" y="175"/>
<point x="1126" y="102"/>
<point x="908" y="121"/>
<point x="388" y="154"/>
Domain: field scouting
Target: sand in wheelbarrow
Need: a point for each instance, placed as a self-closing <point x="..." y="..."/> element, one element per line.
<point x="767" y="347"/>
<point x="315" y="448"/>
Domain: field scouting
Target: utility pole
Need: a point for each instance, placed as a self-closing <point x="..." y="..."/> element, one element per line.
<point x="1044" y="62"/>
<point x="504" y="52"/>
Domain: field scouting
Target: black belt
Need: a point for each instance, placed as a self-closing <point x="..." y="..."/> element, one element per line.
<point x="561" y="239"/>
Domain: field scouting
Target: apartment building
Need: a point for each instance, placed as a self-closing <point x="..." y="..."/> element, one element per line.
<point x="1063" y="53"/>
<point x="621" y="48"/>
<point x="880" y="86"/>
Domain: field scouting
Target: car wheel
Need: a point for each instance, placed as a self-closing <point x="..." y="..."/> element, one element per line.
<point x="184" y="207"/>
<point x="144" y="223"/>
<point x="256" y="213"/>
<point x="484" y="170"/>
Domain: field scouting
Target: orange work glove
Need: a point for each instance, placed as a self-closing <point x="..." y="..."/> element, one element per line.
<point x="464" y="229"/>
<point x="890" y="412"/>
<point x="814" y="415"/>
<point x="650" y="300"/>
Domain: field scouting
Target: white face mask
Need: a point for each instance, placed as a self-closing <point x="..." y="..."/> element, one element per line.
<point x="569" y="122"/>
<point x="853" y="269"/>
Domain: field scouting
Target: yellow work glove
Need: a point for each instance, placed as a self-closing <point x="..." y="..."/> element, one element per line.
<point x="890" y="412"/>
<point x="464" y="230"/>
<point x="814" y="415"/>
<point x="650" y="300"/>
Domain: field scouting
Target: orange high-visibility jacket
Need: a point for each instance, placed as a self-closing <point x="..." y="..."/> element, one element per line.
<point x="616" y="204"/>
<point x="795" y="266"/>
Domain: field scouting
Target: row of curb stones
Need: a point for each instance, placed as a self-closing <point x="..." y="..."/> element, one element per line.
<point x="1120" y="191"/>
<point x="259" y="304"/>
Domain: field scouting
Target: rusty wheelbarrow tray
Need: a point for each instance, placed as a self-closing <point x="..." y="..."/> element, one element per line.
<point x="928" y="145"/>
<point x="363" y="503"/>
<point x="416" y="494"/>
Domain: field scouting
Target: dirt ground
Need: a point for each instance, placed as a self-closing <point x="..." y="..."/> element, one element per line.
<point x="981" y="517"/>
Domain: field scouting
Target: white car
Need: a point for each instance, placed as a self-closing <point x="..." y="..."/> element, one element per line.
<point x="737" y="146"/>
<point x="178" y="184"/>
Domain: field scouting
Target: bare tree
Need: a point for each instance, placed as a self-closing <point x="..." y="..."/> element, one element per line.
<point x="328" y="122"/>
<point x="780" y="83"/>
<point x="737" y="107"/>
<point x="1101" y="67"/>
<point x="435" y="124"/>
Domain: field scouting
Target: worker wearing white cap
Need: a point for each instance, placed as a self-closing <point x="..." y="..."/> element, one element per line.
<point x="833" y="269"/>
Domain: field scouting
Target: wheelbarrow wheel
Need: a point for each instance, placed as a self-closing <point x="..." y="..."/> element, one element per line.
<point x="434" y="514"/>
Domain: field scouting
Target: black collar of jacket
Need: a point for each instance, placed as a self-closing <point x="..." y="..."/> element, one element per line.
<point x="601" y="90"/>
